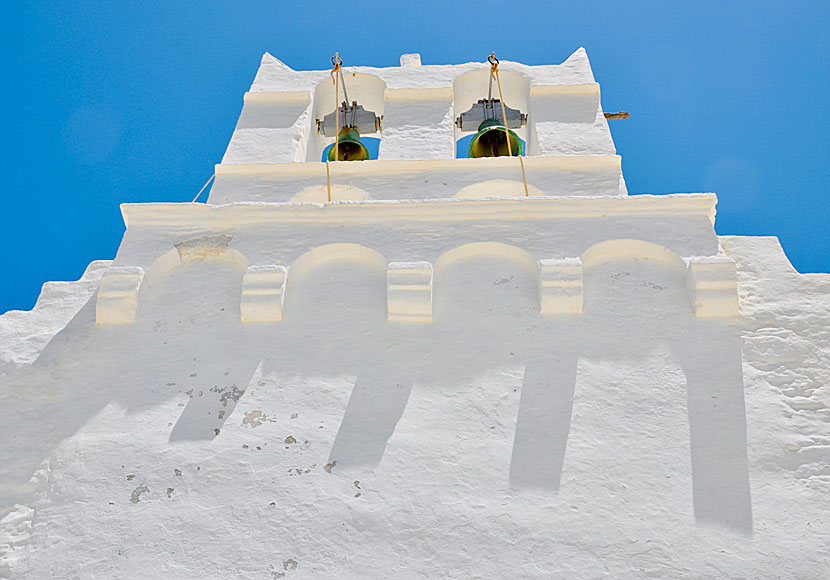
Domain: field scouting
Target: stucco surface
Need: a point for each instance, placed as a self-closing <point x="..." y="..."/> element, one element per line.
<point x="634" y="440"/>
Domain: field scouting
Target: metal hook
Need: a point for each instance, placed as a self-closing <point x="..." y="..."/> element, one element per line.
<point x="494" y="66"/>
<point x="336" y="61"/>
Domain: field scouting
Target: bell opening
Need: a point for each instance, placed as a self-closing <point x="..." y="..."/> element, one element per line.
<point x="477" y="98"/>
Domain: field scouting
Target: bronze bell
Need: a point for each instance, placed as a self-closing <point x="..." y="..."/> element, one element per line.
<point x="349" y="147"/>
<point x="491" y="141"/>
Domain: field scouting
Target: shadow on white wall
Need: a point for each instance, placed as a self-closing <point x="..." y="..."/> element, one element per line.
<point x="188" y="343"/>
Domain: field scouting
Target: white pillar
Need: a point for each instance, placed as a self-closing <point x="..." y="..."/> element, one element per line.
<point x="560" y="286"/>
<point x="409" y="291"/>
<point x="263" y="288"/>
<point x="713" y="286"/>
<point x="117" y="299"/>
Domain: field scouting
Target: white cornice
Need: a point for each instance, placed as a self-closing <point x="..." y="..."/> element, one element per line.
<point x="396" y="167"/>
<point x="588" y="89"/>
<point x="195" y="216"/>
<point x="278" y="97"/>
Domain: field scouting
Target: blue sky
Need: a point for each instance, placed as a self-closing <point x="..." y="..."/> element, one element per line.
<point x="111" y="102"/>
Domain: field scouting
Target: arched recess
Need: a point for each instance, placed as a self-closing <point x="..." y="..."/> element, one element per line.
<point x="201" y="248"/>
<point x="330" y="253"/>
<point x="337" y="281"/>
<point x="214" y="276"/>
<point x="484" y="250"/>
<point x="486" y="278"/>
<point x="368" y="90"/>
<point x="630" y="248"/>
<point x="470" y="87"/>
<point x="635" y="279"/>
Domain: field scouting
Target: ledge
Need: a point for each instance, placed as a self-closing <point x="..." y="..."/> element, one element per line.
<point x="217" y="217"/>
<point x="590" y="89"/>
<point x="391" y="167"/>
<point x="278" y="97"/>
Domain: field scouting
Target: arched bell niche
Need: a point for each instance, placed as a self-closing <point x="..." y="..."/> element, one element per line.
<point x="368" y="90"/>
<point x="473" y="86"/>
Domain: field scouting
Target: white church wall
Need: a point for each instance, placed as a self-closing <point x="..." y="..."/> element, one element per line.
<point x="30" y="331"/>
<point x="568" y="120"/>
<point x="300" y="452"/>
<point x="418" y="124"/>
<point x="273" y="128"/>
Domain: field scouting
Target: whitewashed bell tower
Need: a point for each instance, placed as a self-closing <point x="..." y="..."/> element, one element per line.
<point x="421" y="330"/>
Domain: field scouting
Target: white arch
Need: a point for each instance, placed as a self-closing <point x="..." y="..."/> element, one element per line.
<point x="608" y="250"/>
<point x="487" y="249"/>
<point x="330" y="253"/>
<point x="489" y="262"/>
<point x="622" y="249"/>
<point x="207" y="247"/>
<point x="368" y="90"/>
<point x="202" y="248"/>
<point x="471" y="86"/>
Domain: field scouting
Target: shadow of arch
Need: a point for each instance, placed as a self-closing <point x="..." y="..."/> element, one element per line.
<point x="188" y="293"/>
<point x="712" y="363"/>
<point x="635" y="299"/>
<point x="133" y="367"/>
<point x="336" y="304"/>
<point x="189" y="318"/>
<point x="636" y="302"/>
